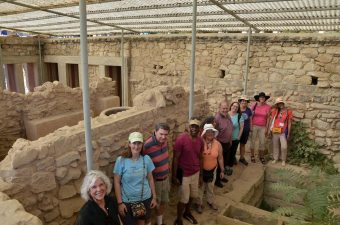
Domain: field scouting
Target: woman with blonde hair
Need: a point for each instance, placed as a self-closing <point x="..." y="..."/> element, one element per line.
<point x="134" y="184"/>
<point x="100" y="208"/>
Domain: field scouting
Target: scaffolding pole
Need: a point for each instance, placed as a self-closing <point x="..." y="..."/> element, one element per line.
<point x="84" y="73"/>
<point x="247" y="64"/>
<point x="193" y="59"/>
<point x="124" y="78"/>
<point x="40" y="63"/>
<point x="2" y="74"/>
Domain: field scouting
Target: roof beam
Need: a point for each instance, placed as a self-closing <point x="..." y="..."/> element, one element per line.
<point x="66" y="15"/>
<point x="266" y="19"/>
<point x="26" y="31"/>
<point x="234" y="15"/>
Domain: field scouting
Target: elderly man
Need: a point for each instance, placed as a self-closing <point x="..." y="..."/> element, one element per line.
<point x="224" y="126"/>
<point x="157" y="148"/>
<point x="187" y="165"/>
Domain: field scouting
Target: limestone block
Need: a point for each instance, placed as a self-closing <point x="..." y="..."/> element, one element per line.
<point x="319" y="74"/>
<point x="20" y="158"/>
<point x="292" y="65"/>
<point x="321" y="124"/>
<point x="323" y="84"/>
<point x="47" y="203"/>
<point x="3" y="197"/>
<point x="72" y="174"/>
<point x="291" y="50"/>
<point x="275" y="49"/>
<point x="4" y="186"/>
<point x="284" y="57"/>
<point x="67" y="191"/>
<point x="324" y="58"/>
<point x="67" y="158"/>
<point x="299" y="115"/>
<point x="335" y="84"/>
<point x="70" y="206"/>
<point x="310" y="66"/>
<point x="105" y="103"/>
<point x="45" y="163"/>
<point x="326" y="107"/>
<point x="310" y="52"/>
<point x="61" y="172"/>
<point x="333" y="50"/>
<point x="320" y="133"/>
<point x="41" y="127"/>
<point x="50" y="216"/>
<point x="332" y="68"/>
<point x="12" y="213"/>
<point x="336" y="158"/>
<point x="300" y="58"/>
<point x="43" y="181"/>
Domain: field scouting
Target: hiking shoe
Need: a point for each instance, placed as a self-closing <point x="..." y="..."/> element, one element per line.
<point x="212" y="206"/>
<point x="199" y="208"/>
<point x="219" y="184"/>
<point x="274" y="161"/>
<point x="190" y="218"/>
<point x="228" y="171"/>
<point x="225" y="180"/>
<point x="244" y="161"/>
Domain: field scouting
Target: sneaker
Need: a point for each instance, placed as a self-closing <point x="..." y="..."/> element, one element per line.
<point x="199" y="208"/>
<point x="228" y="171"/>
<point x="283" y="163"/>
<point x="190" y="218"/>
<point x="274" y="161"/>
<point x="212" y="206"/>
<point x="244" y="161"/>
<point x="219" y="184"/>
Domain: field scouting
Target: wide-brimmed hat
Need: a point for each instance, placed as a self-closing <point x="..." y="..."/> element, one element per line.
<point x="195" y="122"/>
<point x="261" y="94"/>
<point x="135" y="136"/>
<point x="209" y="126"/>
<point x="279" y="100"/>
<point x="243" y="97"/>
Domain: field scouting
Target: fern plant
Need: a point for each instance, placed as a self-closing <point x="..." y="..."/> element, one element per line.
<point x="320" y="193"/>
<point x="303" y="150"/>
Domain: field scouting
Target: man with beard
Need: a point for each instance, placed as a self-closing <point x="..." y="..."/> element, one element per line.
<point x="187" y="165"/>
<point x="157" y="148"/>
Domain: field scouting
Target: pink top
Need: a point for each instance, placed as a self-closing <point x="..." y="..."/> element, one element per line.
<point x="260" y="114"/>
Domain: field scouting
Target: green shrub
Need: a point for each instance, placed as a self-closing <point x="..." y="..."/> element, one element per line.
<point x="303" y="150"/>
<point x="320" y="193"/>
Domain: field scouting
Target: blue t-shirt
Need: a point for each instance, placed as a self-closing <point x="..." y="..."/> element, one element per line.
<point x="131" y="176"/>
<point x="246" y="115"/>
<point x="236" y="126"/>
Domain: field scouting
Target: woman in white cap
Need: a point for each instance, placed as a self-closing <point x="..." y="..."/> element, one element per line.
<point x="281" y="120"/>
<point x="247" y="114"/>
<point x="212" y="157"/>
<point x="133" y="183"/>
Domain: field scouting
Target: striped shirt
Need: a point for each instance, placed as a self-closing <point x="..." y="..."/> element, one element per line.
<point x="159" y="155"/>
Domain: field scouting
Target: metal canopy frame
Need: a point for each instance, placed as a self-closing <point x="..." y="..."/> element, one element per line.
<point x="61" y="17"/>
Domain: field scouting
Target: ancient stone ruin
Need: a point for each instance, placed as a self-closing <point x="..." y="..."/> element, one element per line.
<point x="42" y="132"/>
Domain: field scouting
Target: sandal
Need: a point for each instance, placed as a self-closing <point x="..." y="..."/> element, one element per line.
<point x="263" y="161"/>
<point x="190" y="218"/>
<point x="252" y="159"/>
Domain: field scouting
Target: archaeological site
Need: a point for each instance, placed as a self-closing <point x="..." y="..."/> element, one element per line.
<point x="77" y="77"/>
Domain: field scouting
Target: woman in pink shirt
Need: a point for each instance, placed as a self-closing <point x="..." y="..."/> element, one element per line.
<point x="261" y="111"/>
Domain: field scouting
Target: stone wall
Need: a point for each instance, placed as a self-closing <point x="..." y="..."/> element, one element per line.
<point x="304" y="68"/>
<point x="50" y="99"/>
<point x="46" y="174"/>
<point x="11" y="123"/>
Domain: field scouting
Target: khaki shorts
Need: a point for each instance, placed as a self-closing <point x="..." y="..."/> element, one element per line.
<point x="189" y="188"/>
<point x="162" y="190"/>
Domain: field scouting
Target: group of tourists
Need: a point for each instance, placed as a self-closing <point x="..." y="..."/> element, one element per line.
<point x="203" y="157"/>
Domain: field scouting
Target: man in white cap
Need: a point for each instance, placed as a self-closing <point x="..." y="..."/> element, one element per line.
<point x="187" y="165"/>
